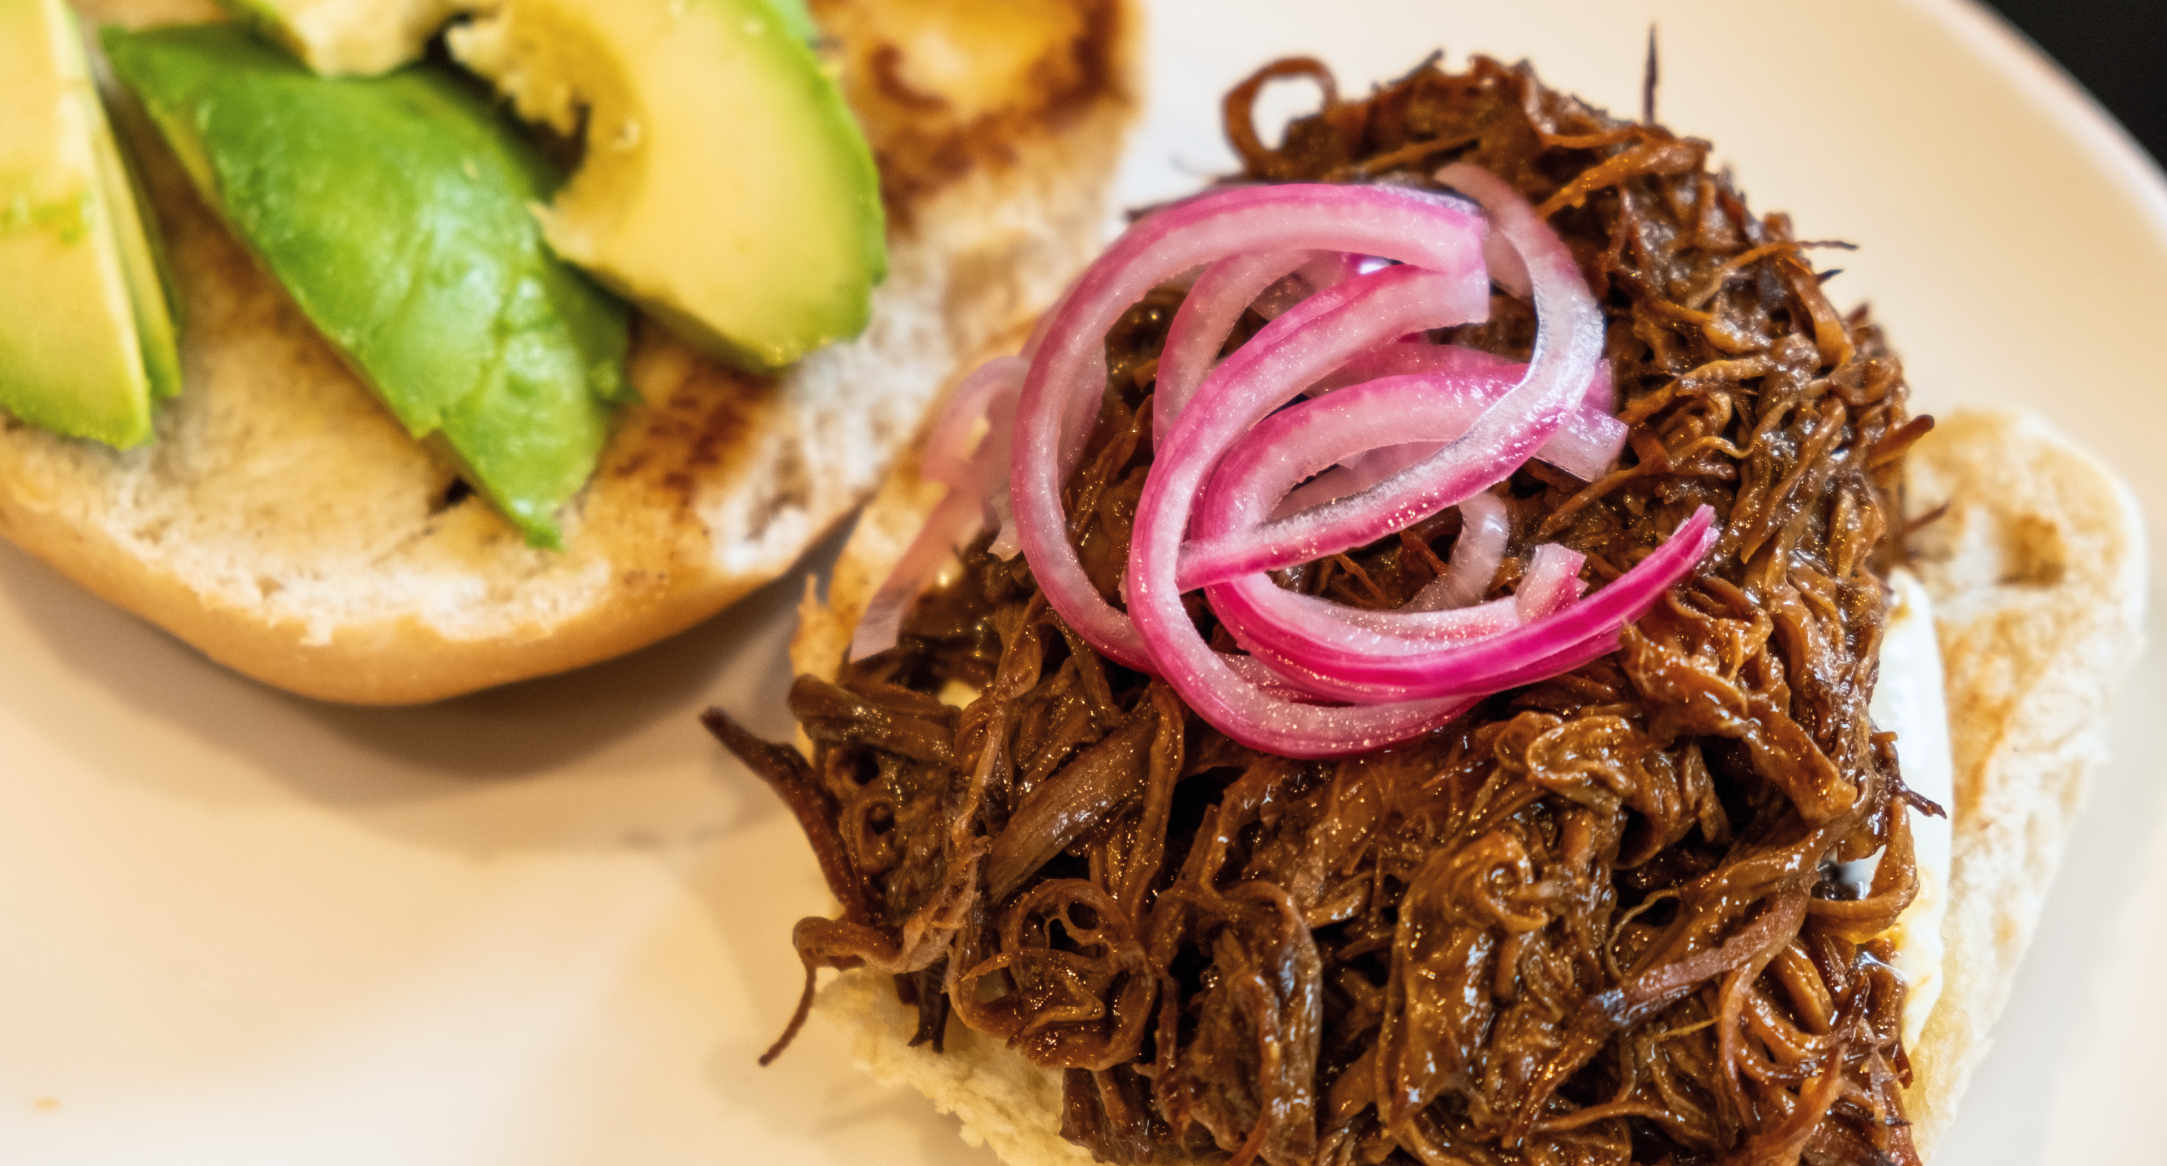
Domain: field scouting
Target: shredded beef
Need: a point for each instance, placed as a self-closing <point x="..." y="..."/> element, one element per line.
<point x="1595" y="920"/>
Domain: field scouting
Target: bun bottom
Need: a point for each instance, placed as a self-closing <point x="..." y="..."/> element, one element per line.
<point x="2036" y="568"/>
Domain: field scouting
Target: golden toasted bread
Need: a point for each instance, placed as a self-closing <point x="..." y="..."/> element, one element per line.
<point x="283" y="522"/>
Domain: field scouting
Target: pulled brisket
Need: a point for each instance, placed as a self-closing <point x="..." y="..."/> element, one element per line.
<point x="1600" y="919"/>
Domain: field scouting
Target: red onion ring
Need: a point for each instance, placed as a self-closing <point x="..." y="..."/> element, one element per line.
<point x="1328" y="268"/>
<point x="1358" y="436"/>
<point x="1568" y="343"/>
<point x="1270" y="282"/>
<point x="1275" y="365"/>
<point x="1067" y="372"/>
<point x="977" y="486"/>
<point x="946" y="457"/>
<point x="1288" y="354"/>
<point x="1551" y="584"/>
<point x="1396" y="430"/>
<point x="953" y="521"/>
<point x="1207" y="316"/>
<point x="1586" y="446"/>
<point x="1358" y="663"/>
<point x="1477" y="552"/>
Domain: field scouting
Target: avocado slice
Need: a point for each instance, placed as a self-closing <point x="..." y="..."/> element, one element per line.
<point x="152" y="295"/>
<point x="86" y="332"/>
<point x="797" y="19"/>
<point x="348" y="37"/>
<point x="726" y="188"/>
<point x="394" y="210"/>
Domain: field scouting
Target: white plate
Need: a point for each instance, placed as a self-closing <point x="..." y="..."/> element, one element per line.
<point x="550" y="925"/>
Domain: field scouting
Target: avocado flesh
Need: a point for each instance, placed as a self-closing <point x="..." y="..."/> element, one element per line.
<point x="151" y="294"/>
<point x="337" y="38"/>
<point x="394" y="211"/>
<point x="86" y="333"/>
<point x="797" y="19"/>
<point x="726" y="188"/>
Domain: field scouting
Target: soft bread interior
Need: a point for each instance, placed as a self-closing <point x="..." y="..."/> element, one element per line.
<point x="284" y="524"/>
<point x="2036" y="568"/>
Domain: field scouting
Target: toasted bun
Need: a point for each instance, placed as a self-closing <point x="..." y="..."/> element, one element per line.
<point x="2037" y="569"/>
<point x="283" y="523"/>
<point x="2037" y="573"/>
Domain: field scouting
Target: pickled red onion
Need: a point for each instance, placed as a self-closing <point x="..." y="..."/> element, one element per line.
<point x="1397" y="430"/>
<point x="947" y="458"/>
<point x="1068" y="370"/>
<point x="977" y="486"/>
<point x="1568" y="343"/>
<point x="954" y="520"/>
<point x="1366" y="664"/>
<point x="1207" y="315"/>
<point x="1373" y="430"/>
<point x="1477" y="552"/>
<point x="1216" y="301"/>
<point x="1585" y="447"/>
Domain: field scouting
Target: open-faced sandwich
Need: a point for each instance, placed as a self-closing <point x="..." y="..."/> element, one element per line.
<point x="1459" y="653"/>
<point x="429" y="346"/>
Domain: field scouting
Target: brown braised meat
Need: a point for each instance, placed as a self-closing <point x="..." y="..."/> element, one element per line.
<point x="1596" y="920"/>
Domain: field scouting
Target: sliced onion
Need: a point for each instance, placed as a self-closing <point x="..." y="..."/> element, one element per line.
<point x="1362" y="664"/>
<point x="1067" y="372"/>
<point x="1207" y="316"/>
<point x="1586" y="446"/>
<point x="1307" y="615"/>
<point x="1327" y="269"/>
<point x="1267" y="682"/>
<point x="1551" y="582"/>
<point x="1507" y="269"/>
<point x="947" y="455"/>
<point x="1354" y="430"/>
<point x="1414" y="358"/>
<point x="1397" y="429"/>
<point x="1550" y="585"/>
<point x="1003" y="520"/>
<point x="1568" y="343"/>
<point x="1477" y="553"/>
<point x="1411" y="679"/>
<point x="977" y="493"/>
<point x="1287" y="355"/>
<point x="952" y="522"/>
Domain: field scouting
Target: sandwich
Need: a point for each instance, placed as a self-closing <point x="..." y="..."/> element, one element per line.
<point x="283" y="520"/>
<point x="1667" y="879"/>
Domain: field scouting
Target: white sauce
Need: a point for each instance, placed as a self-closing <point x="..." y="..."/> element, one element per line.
<point x="1909" y="702"/>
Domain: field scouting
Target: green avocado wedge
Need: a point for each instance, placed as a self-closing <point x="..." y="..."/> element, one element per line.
<point x="87" y="337"/>
<point x="395" y="211"/>
<point x="726" y="187"/>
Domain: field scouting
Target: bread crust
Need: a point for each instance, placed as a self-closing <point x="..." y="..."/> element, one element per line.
<point x="2037" y="570"/>
<point x="282" y="523"/>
